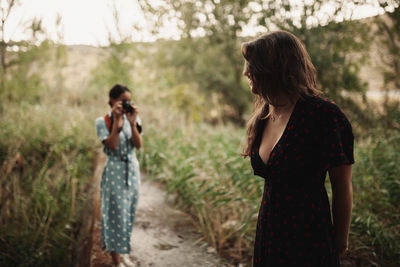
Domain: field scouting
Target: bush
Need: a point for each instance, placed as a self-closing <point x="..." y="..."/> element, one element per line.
<point x="41" y="195"/>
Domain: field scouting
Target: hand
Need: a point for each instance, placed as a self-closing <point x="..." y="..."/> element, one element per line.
<point x="117" y="112"/>
<point x="342" y="248"/>
<point x="131" y="116"/>
<point x="117" y="109"/>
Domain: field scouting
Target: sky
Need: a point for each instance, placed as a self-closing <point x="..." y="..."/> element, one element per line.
<point x="83" y="21"/>
<point x="89" y="21"/>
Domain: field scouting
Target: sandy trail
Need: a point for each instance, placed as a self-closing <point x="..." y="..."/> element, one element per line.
<point x="162" y="236"/>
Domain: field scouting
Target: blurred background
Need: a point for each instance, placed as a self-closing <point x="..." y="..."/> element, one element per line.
<point x="182" y="60"/>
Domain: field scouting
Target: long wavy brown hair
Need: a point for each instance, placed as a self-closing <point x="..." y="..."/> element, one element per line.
<point x="279" y="67"/>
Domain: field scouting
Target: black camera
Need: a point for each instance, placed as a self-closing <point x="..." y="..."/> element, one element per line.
<point x="126" y="105"/>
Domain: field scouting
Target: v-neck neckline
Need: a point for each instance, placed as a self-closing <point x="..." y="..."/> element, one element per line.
<point x="280" y="138"/>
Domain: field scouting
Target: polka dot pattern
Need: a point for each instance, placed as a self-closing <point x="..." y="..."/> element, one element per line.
<point x="119" y="190"/>
<point x="294" y="226"/>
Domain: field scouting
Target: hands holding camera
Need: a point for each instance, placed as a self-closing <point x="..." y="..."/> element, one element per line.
<point x="124" y="106"/>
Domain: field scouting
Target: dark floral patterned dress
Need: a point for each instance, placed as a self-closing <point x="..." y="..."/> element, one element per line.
<point x="294" y="226"/>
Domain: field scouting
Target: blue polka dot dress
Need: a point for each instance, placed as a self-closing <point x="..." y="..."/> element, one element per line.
<point x="119" y="189"/>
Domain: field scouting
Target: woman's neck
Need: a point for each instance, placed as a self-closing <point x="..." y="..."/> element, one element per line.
<point x="283" y="105"/>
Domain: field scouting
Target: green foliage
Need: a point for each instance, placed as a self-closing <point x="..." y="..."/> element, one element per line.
<point x="41" y="200"/>
<point x="376" y="181"/>
<point x="388" y="30"/>
<point x="389" y="120"/>
<point x="185" y="99"/>
<point x="115" y="68"/>
<point x="45" y="159"/>
<point x="221" y="23"/>
<point x="337" y="49"/>
<point x="23" y="79"/>
<point x="187" y="81"/>
<point x="201" y="165"/>
<point x="332" y="47"/>
<point x="117" y="65"/>
<point x="22" y="62"/>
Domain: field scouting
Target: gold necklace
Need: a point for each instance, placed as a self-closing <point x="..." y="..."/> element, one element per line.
<point x="275" y="117"/>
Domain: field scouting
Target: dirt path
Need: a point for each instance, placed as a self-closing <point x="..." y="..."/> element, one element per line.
<point x="162" y="235"/>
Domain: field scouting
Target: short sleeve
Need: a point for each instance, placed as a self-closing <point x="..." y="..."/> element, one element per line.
<point x="337" y="137"/>
<point x="101" y="129"/>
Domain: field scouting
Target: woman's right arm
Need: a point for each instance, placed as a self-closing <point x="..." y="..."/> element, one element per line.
<point x="112" y="140"/>
<point x="342" y="201"/>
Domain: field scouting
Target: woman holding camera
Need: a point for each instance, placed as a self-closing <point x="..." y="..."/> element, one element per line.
<point x="120" y="134"/>
<point x="294" y="138"/>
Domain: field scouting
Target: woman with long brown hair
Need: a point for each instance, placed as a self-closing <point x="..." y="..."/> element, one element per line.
<point x="294" y="138"/>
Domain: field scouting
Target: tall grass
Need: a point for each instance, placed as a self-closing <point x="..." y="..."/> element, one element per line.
<point x="375" y="227"/>
<point x="201" y="165"/>
<point x="41" y="194"/>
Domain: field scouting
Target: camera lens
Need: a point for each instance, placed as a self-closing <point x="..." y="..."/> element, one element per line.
<point x="126" y="105"/>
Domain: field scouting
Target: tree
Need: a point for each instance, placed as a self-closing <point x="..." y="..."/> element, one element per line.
<point x="337" y="46"/>
<point x="22" y="61"/>
<point x="215" y="27"/>
<point x="117" y="65"/>
<point x="5" y="10"/>
<point x="209" y="47"/>
<point x="388" y="33"/>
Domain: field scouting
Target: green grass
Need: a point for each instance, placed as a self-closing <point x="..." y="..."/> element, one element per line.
<point x="213" y="183"/>
<point x="41" y="201"/>
<point x="375" y="228"/>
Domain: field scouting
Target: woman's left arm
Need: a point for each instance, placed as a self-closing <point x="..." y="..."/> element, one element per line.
<point x="136" y="137"/>
<point x="342" y="201"/>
